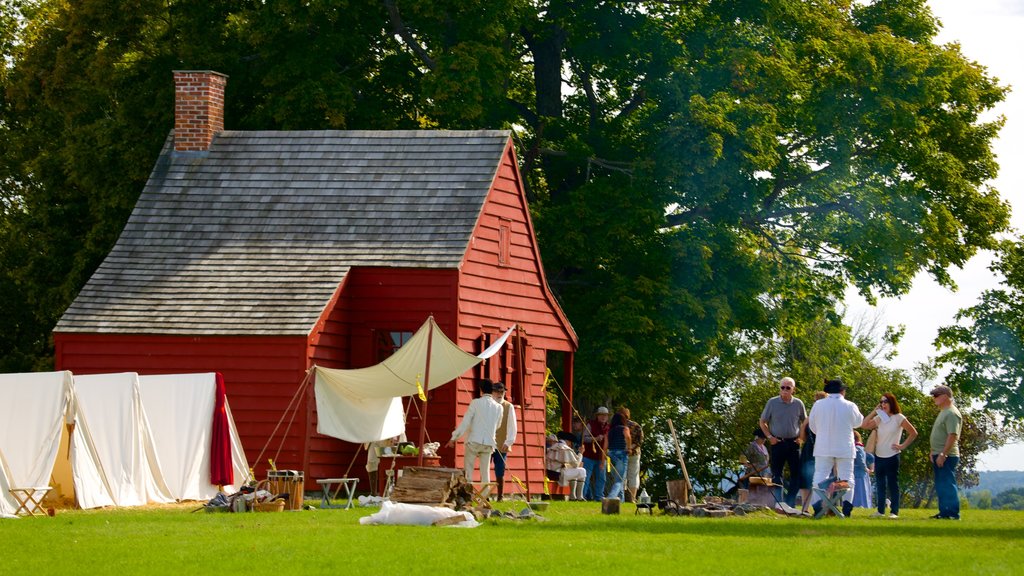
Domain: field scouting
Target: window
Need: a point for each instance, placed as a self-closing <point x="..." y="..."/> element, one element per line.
<point x="389" y="342"/>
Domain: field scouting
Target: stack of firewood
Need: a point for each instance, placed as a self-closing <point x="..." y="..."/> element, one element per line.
<point x="433" y="487"/>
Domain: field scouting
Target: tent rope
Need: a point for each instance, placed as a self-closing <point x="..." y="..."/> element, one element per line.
<point x="293" y="408"/>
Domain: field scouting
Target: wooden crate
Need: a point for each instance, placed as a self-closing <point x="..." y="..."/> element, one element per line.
<point x="291" y="482"/>
<point x="677" y="491"/>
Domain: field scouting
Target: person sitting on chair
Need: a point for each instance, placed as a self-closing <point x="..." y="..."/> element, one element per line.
<point x="756" y="455"/>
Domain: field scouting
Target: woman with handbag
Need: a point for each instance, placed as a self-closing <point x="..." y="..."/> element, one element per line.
<point x="889" y="425"/>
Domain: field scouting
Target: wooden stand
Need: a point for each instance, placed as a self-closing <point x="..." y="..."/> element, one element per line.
<point x="761" y="492"/>
<point x="291" y="482"/>
<point x="30" y="500"/>
<point x="391" y="464"/>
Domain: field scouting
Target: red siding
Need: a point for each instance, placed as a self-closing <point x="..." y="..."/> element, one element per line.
<point x="383" y="300"/>
<point x="262" y="375"/>
<point x="483" y="296"/>
<point x="496" y="293"/>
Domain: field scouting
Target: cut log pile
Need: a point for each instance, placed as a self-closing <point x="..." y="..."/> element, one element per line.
<point x="433" y="487"/>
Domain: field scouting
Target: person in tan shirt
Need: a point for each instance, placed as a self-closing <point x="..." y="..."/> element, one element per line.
<point x="945" y="454"/>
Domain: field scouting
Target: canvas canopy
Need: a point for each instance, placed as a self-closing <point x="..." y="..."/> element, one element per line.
<point x="365" y="404"/>
<point x="130" y="440"/>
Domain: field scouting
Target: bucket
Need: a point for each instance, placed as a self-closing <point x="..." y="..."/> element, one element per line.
<point x="610" y="505"/>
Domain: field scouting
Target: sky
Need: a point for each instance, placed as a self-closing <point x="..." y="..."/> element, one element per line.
<point x="990" y="32"/>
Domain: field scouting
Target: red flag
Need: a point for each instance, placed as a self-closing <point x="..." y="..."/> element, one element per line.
<point x="222" y="473"/>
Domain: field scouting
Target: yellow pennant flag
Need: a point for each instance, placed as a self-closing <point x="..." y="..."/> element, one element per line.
<point x="419" y="389"/>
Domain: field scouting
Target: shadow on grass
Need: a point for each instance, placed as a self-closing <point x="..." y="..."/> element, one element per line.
<point x="755" y="526"/>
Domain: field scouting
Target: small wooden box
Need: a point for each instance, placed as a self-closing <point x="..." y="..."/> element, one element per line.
<point x="610" y="506"/>
<point x="291" y="482"/>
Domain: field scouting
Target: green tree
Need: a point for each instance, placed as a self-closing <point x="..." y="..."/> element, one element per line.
<point x="981" y="499"/>
<point x="704" y="176"/>
<point x="1012" y="499"/>
<point x="985" y="349"/>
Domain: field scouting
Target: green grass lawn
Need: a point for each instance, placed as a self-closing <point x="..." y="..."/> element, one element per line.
<point x="575" y="540"/>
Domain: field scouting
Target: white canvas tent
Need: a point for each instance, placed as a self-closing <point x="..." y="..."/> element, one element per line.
<point x="129" y="473"/>
<point x="365" y="404"/>
<point x="115" y="453"/>
<point x="33" y="408"/>
<point x="180" y="408"/>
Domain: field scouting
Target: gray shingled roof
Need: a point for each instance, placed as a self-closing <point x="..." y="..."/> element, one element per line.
<point x="254" y="237"/>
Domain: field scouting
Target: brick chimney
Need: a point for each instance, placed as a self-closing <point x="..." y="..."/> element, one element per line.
<point x="198" y="108"/>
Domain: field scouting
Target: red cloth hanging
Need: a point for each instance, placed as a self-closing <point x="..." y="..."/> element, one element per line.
<point x="222" y="473"/>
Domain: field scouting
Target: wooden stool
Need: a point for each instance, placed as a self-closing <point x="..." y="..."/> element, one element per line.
<point x="30" y="500"/>
<point x="831" y="500"/>
<point x="481" y="495"/>
<point x="349" y="484"/>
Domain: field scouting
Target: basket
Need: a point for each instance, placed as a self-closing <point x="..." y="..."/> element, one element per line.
<point x="275" y="506"/>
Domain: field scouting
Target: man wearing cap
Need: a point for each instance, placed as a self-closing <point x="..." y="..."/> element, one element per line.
<point x="595" y="450"/>
<point x="945" y="454"/>
<point x="780" y="422"/>
<point x="504" y="437"/>
<point x="479" y="425"/>
<point x="833" y="420"/>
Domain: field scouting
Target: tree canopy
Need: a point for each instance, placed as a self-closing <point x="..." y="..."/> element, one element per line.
<point x="704" y="176"/>
<point x="985" y="349"/>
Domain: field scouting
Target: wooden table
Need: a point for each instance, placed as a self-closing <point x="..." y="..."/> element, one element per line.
<point x="30" y="500"/>
<point x="349" y="484"/>
<point x="391" y="464"/>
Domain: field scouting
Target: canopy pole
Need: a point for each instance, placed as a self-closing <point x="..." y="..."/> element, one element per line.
<point x="521" y="368"/>
<point x="426" y="390"/>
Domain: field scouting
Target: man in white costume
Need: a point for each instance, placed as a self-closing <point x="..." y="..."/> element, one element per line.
<point x="479" y="425"/>
<point x="833" y="420"/>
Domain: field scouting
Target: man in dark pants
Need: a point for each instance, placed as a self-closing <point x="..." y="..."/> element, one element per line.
<point x="780" y="422"/>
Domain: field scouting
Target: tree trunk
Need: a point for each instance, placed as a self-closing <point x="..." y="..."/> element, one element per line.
<point x="547" y="46"/>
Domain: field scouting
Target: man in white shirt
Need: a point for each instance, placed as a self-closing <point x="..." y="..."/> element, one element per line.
<point x="833" y="420"/>
<point x="479" y="425"/>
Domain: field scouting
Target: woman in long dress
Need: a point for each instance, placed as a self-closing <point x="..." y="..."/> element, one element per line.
<point x="861" y="474"/>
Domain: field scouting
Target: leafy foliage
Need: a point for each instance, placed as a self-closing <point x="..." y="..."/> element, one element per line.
<point x="1012" y="499"/>
<point x="706" y="177"/>
<point x="986" y="348"/>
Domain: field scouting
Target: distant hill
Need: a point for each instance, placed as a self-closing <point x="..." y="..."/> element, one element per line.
<point x="999" y="481"/>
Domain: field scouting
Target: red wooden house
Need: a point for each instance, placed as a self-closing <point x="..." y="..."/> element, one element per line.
<point x="259" y="254"/>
